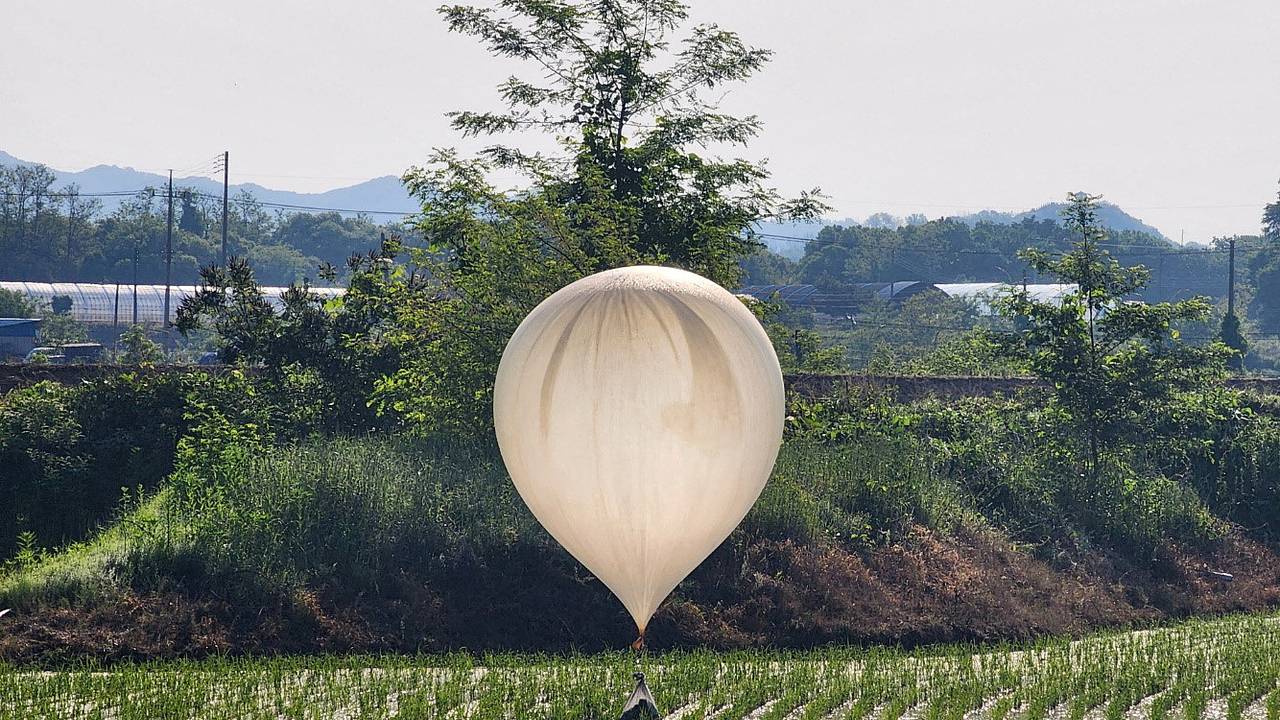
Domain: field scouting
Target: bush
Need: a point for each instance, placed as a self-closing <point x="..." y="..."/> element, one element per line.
<point x="1014" y="464"/>
<point x="345" y="510"/>
<point x="856" y="493"/>
<point x="68" y="450"/>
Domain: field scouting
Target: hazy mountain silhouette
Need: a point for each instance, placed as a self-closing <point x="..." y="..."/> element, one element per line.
<point x="382" y="194"/>
<point x="1112" y="217"/>
<point x="388" y="194"/>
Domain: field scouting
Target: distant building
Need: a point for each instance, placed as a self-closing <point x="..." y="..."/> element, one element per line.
<point x="101" y="304"/>
<point x="17" y="337"/>
<point x="850" y="301"/>
<point x="984" y="295"/>
<point x="837" y="302"/>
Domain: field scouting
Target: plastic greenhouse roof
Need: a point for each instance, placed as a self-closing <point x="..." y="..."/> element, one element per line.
<point x="985" y="293"/>
<point x="99" y="303"/>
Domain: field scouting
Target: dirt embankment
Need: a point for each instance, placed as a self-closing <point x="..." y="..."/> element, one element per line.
<point x="924" y="589"/>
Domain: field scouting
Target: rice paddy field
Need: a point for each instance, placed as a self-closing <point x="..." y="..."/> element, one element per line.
<point x="1223" y="668"/>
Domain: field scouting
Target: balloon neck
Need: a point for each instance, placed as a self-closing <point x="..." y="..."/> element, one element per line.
<point x="638" y="645"/>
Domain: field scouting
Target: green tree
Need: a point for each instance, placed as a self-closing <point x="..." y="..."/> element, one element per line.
<point x="333" y="347"/>
<point x="1265" y="269"/>
<point x="633" y="184"/>
<point x="190" y="220"/>
<point x="629" y="112"/>
<point x="250" y="221"/>
<point x="891" y="337"/>
<point x="1271" y="220"/>
<point x="132" y="238"/>
<point x="14" y="304"/>
<point x="29" y="222"/>
<point x="329" y="237"/>
<point x="1111" y="362"/>
<point x="61" y="328"/>
<point x="1231" y="336"/>
<point x="58" y="326"/>
<point x="801" y="350"/>
<point x="77" y="223"/>
<point x="766" y="268"/>
<point x="279" y="264"/>
<point x="138" y="349"/>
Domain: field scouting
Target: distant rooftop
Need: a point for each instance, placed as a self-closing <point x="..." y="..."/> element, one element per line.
<point x="845" y="302"/>
<point x="837" y="302"/>
<point x="19" y="327"/>
<point x="100" y="303"/>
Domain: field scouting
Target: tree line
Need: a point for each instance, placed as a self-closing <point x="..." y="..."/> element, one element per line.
<point x="952" y="250"/>
<point x="59" y="234"/>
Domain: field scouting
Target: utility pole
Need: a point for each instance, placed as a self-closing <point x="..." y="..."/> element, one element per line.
<point x="226" y="158"/>
<point x="1231" y="276"/>
<point x="135" y="282"/>
<point x="168" y="253"/>
<point x="151" y="194"/>
<point x="71" y="222"/>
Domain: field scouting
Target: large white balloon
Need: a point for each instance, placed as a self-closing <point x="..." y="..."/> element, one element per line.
<point x="639" y="412"/>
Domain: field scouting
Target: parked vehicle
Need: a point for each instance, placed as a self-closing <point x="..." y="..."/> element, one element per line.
<point x="66" y="354"/>
<point x="45" y="354"/>
<point x="82" y="352"/>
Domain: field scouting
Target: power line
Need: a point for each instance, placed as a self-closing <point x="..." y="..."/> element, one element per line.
<point x="289" y="206"/>
<point x="112" y="193"/>
<point x="942" y="205"/>
<point x="264" y="203"/>
<point x="1145" y="250"/>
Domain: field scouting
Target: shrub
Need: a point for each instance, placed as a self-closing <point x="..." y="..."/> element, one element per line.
<point x="67" y="451"/>
<point x="346" y="509"/>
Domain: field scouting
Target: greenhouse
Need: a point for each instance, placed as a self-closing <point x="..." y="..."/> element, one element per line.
<point x="984" y="294"/>
<point x="115" y="304"/>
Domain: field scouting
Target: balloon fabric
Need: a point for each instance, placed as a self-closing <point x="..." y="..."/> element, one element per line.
<point x="639" y="412"/>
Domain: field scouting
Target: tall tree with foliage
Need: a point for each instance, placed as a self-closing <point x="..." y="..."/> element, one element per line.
<point x="190" y="220"/>
<point x="634" y="182"/>
<point x="1265" y="268"/>
<point x="331" y="347"/>
<point x="136" y="348"/>
<point x="1111" y="362"/>
<point x="14" y="304"/>
<point x="1231" y="335"/>
<point x="631" y="117"/>
<point x="1271" y="220"/>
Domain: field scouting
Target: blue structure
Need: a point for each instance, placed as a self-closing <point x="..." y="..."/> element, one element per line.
<point x="17" y="336"/>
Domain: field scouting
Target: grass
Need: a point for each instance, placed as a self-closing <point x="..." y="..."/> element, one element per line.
<point x="1172" y="672"/>
<point x="371" y="544"/>
<point x="351" y="509"/>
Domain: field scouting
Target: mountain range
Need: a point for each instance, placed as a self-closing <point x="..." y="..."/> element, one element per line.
<point x="386" y="198"/>
<point x="383" y="194"/>
<point x="786" y="238"/>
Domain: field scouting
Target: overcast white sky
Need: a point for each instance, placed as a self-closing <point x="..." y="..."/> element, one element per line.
<point x="1171" y="108"/>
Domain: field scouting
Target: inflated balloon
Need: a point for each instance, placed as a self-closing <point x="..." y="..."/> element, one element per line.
<point x="639" y="412"/>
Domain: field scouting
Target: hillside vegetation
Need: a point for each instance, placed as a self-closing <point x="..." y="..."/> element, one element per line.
<point x="338" y="489"/>
<point x="882" y="523"/>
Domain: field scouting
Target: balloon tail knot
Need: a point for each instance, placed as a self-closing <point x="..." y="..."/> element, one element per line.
<point x="638" y="645"/>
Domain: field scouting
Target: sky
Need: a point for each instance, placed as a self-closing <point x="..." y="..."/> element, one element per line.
<point x="1169" y="108"/>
